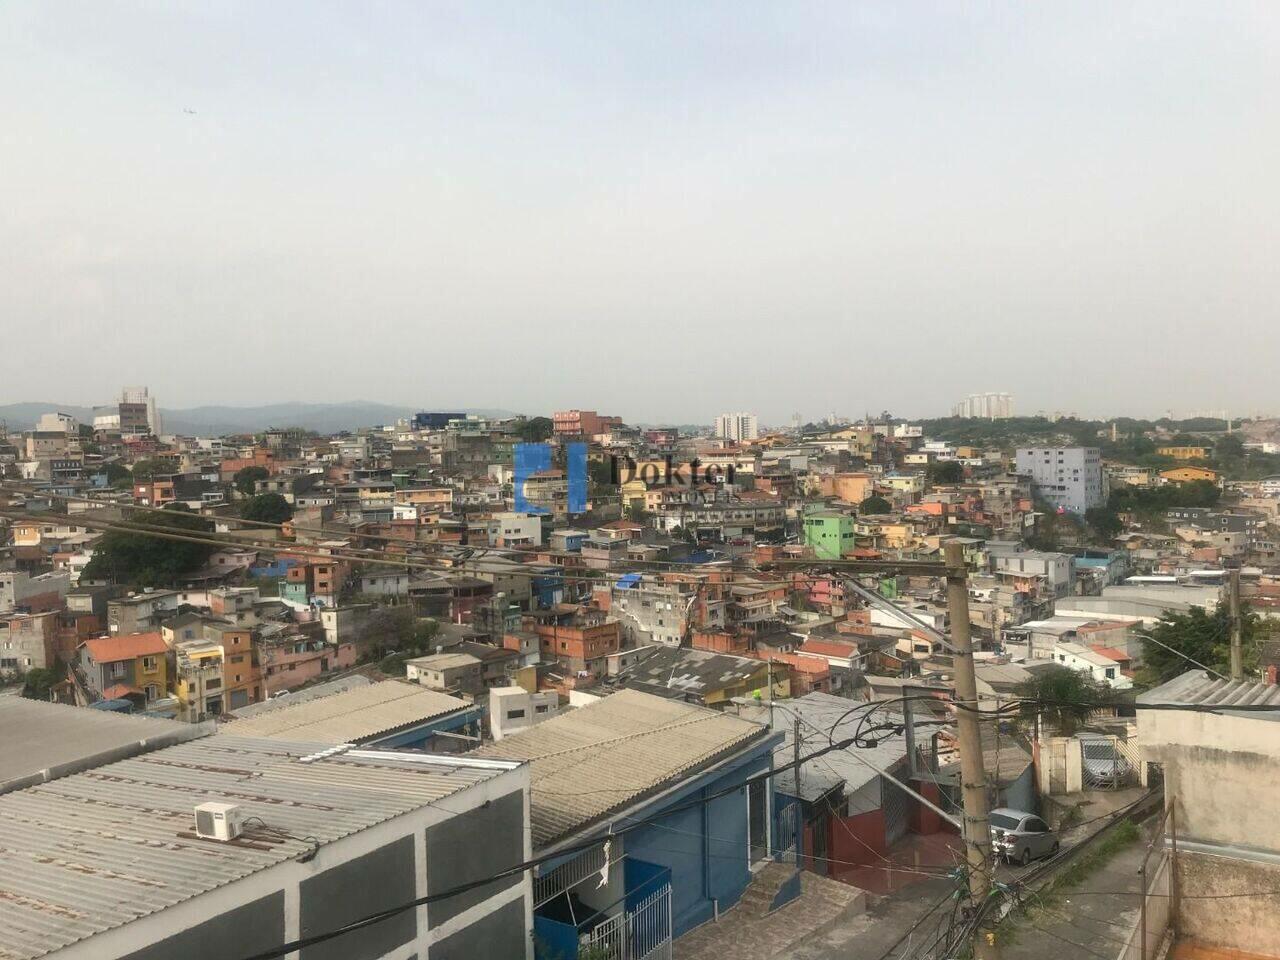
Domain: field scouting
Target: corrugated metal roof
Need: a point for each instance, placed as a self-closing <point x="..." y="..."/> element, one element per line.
<point x="593" y="761"/>
<point x="303" y="695"/>
<point x="821" y="718"/>
<point x="351" y="716"/>
<point x="1201" y="687"/>
<point x="99" y="849"/>
<point x="42" y="741"/>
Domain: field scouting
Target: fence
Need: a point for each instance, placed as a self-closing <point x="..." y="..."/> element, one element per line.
<point x="640" y="934"/>
<point x="1159" y="889"/>
<point x="1089" y="761"/>
<point x="787" y="834"/>
<point x="568" y="875"/>
<point x="1108" y="762"/>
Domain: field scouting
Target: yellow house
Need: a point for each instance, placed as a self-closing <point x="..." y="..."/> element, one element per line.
<point x="197" y="680"/>
<point x="1184" y="453"/>
<point x="1188" y="474"/>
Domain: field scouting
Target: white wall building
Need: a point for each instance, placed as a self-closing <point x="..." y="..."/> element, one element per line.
<point x="737" y="426"/>
<point x="515" y="530"/>
<point x="1069" y="478"/>
<point x="988" y="406"/>
<point x="1098" y="666"/>
<point x="512" y="709"/>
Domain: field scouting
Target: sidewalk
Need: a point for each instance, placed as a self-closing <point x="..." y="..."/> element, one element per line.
<point x="1071" y="921"/>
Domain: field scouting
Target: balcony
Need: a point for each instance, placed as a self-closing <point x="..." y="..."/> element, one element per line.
<point x="616" y="909"/>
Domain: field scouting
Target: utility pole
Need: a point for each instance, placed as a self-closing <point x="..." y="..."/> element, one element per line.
<point x="798" y="805"/>
<point x="977" y="832"/>
<point x="1237" y="628"/>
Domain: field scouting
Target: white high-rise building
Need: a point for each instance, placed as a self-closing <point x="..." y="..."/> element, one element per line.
<point x="737" y="426"/>
<point x="1069" y="478"/>
<point x="988" y="406"/>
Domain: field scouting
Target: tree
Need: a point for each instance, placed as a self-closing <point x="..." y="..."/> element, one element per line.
<point x="145" y="469"/>
<point x="38" y="683"/>
<point x="267" y="508"/>
<point x="1063" y="697"/>
<point x="1229" y="448"/>
<point x="875" y="504"/>
<point x="601" y="473"/>
<point x="534" y="429"/>
<point x="387" y="630"/>
<point x="1169" y="646"/>
<point x="141" y="559"/>
<point x="246" y="477"/>
<point x="636" y="512"/>
<point x="944" y="472"/>
<point x="1104" y="522"/>
<point x="117" y="476"/>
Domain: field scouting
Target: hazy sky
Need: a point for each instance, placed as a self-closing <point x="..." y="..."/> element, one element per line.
<point x="660" y="210"/>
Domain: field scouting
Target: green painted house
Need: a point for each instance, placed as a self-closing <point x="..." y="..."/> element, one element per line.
<point x="830" y="534"/>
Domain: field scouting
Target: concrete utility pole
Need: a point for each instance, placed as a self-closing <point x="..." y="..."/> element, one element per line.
<point x="1237" y="627"/>
<point x="973" y="781"/>
<point x="798" y="805"/>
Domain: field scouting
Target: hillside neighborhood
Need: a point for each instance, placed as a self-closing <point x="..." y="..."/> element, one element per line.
<point x="677" y="687"/>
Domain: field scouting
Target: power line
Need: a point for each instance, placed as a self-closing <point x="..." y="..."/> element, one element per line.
<point x="559" y="854"/>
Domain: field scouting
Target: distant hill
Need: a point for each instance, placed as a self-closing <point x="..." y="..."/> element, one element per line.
<point x="218" y="420"/>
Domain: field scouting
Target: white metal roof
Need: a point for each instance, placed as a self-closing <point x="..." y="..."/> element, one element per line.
<point x="594" y="760"/>
<point x="99" y="849"/>
<point x="351" y="716"/>
<point x="40" y="741"/>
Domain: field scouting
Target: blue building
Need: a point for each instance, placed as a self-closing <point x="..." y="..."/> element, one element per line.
<point x="435" y="421"/>
<point x="634" y="758"/>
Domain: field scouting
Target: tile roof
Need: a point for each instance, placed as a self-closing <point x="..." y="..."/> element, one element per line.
<point x="800" y="663"/>
<point x="598" y="759"/>
<point x="127" y="647"/>
<point x="817" y="647"/>
<point x="351" y="716"/>
<point x="99" y="849"/>
<point x="42" y="741"/>
<point x="295" y="697"/>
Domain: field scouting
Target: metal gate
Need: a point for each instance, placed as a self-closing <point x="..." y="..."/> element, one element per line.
<point x="897" y="810"/>
<point x="1107" y="762"/>
<point x="640" y="934"/>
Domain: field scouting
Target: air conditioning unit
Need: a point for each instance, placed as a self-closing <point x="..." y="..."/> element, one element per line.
<point x="219" y="821"/>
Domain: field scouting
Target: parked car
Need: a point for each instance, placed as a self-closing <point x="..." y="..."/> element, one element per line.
<point x="1020" y="837"/>
<point x="1104" y="765"/>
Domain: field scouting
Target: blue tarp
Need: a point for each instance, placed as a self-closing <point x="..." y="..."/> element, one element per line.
<point x="627" y="581"/>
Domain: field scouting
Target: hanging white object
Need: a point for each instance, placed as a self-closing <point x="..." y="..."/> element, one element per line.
<point x="604" y="871"/>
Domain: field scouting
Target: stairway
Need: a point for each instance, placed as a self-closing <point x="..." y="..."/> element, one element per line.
<point x="754" y="929"/>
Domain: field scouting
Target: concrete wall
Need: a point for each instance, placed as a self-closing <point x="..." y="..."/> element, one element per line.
<point x="1250" y="924"/>
<point x="1219" y="768"/>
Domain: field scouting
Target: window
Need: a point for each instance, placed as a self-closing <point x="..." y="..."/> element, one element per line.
<point x="152" y="691"/>
<point x="515" y="714"/>
<point x="117" y="669"/>
<point x="540" y="709"/>
<point x="149" y="664"/>
<point x="1111" y="673"/>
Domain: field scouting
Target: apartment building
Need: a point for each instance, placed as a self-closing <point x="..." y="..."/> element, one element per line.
<point x="1069" y="479"/>
<point x="738" y="427"/>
